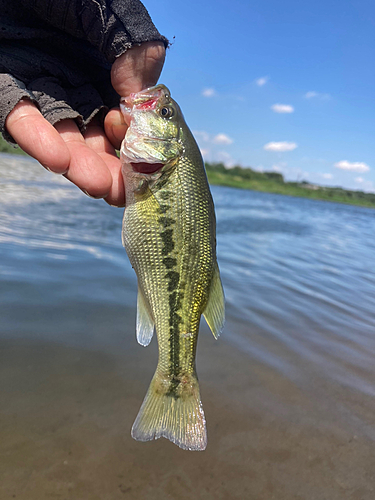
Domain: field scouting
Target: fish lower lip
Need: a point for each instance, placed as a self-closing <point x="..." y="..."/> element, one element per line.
<point x="146" y="168"/>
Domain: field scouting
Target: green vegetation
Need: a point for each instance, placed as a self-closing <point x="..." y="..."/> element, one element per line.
<point x="5" y="147"/>
<point x="273" y="182"/>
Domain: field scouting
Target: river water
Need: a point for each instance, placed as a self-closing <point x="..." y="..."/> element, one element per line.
<point x="288" y="389"/>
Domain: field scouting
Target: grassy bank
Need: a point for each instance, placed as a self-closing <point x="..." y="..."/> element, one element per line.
<point x="8" y="148"/>
<point x="273" y="182"/>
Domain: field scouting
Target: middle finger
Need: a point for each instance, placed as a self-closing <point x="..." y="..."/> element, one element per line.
<point x="97" y="140"/>
<point x="87" y="170"/>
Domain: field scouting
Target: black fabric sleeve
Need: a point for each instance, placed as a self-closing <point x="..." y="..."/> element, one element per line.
<point x="112" y="26"/>
<point x="58" y="53"/>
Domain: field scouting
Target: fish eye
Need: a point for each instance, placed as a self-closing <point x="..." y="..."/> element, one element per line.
<point x="166" y="112"/>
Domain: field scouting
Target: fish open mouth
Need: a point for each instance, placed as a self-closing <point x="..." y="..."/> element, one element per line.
<point x="146" y="168"/>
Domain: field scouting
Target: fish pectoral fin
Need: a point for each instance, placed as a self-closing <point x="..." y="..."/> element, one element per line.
<point x="145" y="323"/>
<point x="214" y="312"/>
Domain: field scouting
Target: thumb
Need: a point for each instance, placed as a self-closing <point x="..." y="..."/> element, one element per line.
<point x="138" y="68"/>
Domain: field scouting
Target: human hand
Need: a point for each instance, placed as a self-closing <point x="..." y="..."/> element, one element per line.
<point x="89" y="160"/>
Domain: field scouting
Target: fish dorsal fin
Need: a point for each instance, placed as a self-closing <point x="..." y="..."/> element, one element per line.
<point x="214" y="312"/>
<point x="145" y="324"/>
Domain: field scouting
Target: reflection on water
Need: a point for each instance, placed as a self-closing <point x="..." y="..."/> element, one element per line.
<point x="299" y="278"/>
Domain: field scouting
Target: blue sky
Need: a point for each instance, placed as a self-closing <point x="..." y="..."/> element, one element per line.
<point x="286" y="86"/>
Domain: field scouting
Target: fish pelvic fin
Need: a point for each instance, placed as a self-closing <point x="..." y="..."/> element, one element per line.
<point x="214" y="313"/>
<point x="172" y="409"/>
<point x="145" y="323"/>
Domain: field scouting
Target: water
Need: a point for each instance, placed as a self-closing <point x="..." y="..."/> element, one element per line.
<point x="300" y="278"/>
<point x="288" y="389"/>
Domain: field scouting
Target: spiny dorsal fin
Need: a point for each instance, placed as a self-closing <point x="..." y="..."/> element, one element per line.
<point x="214" y="312"/>
<point x="145" y="324"/>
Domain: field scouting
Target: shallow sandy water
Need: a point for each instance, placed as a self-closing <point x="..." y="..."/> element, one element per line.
<point x="66" y="414"/>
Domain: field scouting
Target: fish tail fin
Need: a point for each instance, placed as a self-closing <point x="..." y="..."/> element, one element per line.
<point x="172" y="409"/>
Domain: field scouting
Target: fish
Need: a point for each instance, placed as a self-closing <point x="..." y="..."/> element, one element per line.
<point x="169" y="233"/>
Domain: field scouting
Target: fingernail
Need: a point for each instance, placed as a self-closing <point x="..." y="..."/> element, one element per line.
<point x="53" y="172"/>
<point x="90" y="195"/>
<point x="114" y="203"/>
<point x="116" y="206"/>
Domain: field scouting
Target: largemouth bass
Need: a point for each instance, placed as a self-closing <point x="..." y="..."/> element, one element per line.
<point x="169" y="236"/>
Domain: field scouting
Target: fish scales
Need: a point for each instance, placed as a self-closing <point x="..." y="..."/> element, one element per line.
<point x="169" y="235"/>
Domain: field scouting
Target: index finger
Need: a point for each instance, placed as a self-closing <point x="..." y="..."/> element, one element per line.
<point x="37" y="137"/>
<point x="115" y="127"/>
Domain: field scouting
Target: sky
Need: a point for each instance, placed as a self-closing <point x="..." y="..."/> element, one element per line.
<point x="276" y="86"/>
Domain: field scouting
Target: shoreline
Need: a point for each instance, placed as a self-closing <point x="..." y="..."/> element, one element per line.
<point x="261" y="182"/>
<point x="266" y="182"/>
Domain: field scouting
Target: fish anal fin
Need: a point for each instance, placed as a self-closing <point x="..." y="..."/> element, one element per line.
<point x="214" y="312"/>
<point x="145" y="323"/>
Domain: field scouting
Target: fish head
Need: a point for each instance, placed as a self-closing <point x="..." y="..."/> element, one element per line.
<point x="152" y="141"/>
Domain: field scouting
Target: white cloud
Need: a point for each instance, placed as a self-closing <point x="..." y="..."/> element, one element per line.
<point x="211" y="147"/>
<point x="359" y="179"/>
<point x="282" y="108"/>
<point x="224" y="157"/>
<point x="280" y="146"/>
<point x="262" y="81"/>
<point x="327" y="176"/>
<point x="319" y="95"/>
<point x="201" y="135"/>
<point x="222" y="139"/>
<point x="355" y="166"/>
<point x="209" y="92"/>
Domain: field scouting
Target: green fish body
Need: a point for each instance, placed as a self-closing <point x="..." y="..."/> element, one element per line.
<point x="169" y="236"/>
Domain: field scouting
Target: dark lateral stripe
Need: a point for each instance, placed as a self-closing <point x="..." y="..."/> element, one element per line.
<point x="163" y="208"/>
<point x="173" y="278"/>
<point x="166" y="221"/>
<point x="169" y="262"/>
<point x="164" y="195"/>
<point x="175" y="297"/>
<point x="166" y="236"/>
<point x="174" y="342"/>
<point x="175" y="300"/>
